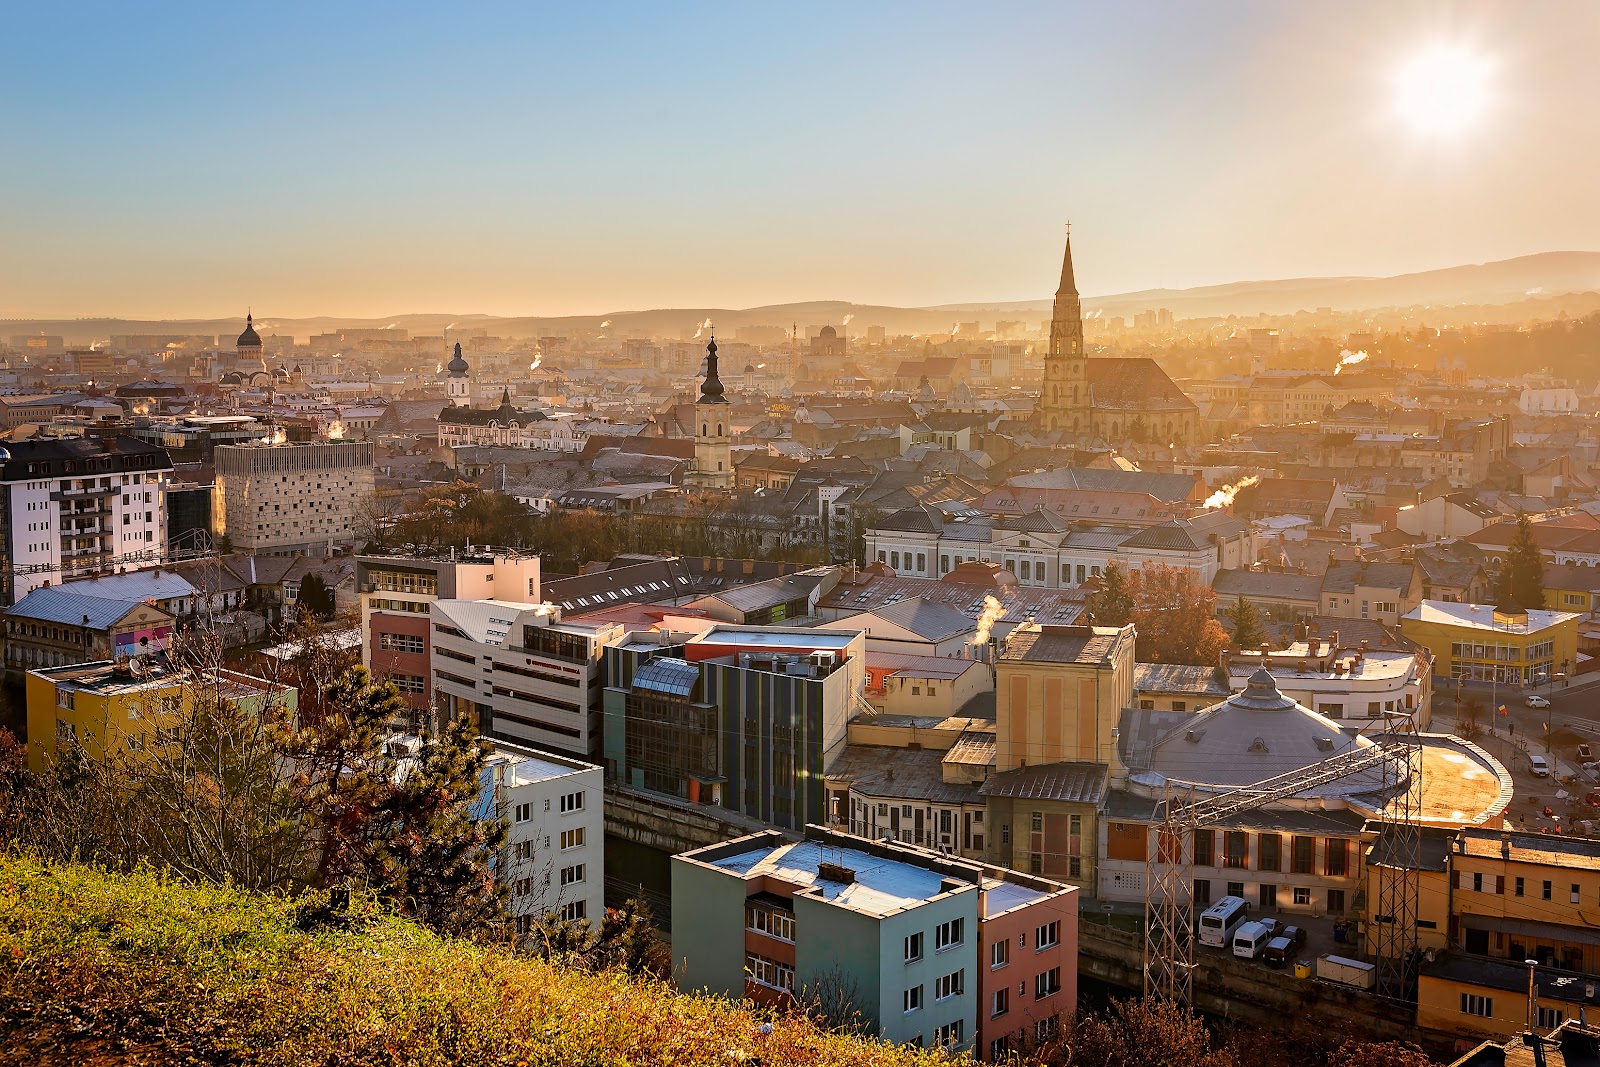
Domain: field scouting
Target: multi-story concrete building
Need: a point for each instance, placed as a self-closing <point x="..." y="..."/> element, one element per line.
<point x="554" y="859"/>
<point x="743" y="717"/>
<point x="520" y="672"/>
<point x="931" y="951"/>
<point x="396" y="589"/>
<point x="126" y="708"/>
<point x="288" y="498"/>
<point x="79" y="505"/>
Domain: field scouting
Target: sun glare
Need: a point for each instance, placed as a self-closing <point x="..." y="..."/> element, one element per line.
<point x="1442" y="90"/>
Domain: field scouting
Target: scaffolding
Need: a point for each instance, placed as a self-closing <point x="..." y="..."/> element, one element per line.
<point x="1169" y="856"/>
<point x="1397" y="857"/>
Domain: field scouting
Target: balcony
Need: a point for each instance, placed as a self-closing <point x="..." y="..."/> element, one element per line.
<point x="69" y="495"/>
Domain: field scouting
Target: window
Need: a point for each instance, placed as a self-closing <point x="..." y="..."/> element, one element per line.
<point x="572" y="875"/>
<point x="522" y="813"/>
<point x="1477" y="881"/>
<point x="1202" y="891"/>
<point x="572" y="838"/>
<point x="1236" y="889"/>
<point x="523" y="850"/>
<point x="950" y="985"/>
<point x="409" y="683"/>
<point x="1336" y="901"/>
<point x="572" y="802"/>
<point x="1269" y="895"/>
<point x="1304" y="856"/>
<point x="1204" y="844"/>
<point x="1047" y="984"/>
<point x="1336" y="857"/>
<point x="1575" y="893"/>
<point x="1473" y="1004"/>
<point x="1235" y="849"/>
<point x="769" y="921"/>
<point x="947" y="934"/>
<point x="770" y="973"/>
<point x="1547" y="891"/>
<point x="1047" y="936"/>
<point x="949" y="1033"/>
<point x="1550" y="1018"/>
<point x="911" y="999"/>
<point x="1269" y="852"/>
<point x="999" y="1047"/>
<point x="1302" y="896"/>
<point x="400" y="642"/>
<point x="1521" y="885"/>
<point x="999" y="954"/>
<point x="914" y="947"/>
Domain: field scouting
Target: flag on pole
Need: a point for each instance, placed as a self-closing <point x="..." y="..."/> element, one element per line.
<point x="1503" y="710"/>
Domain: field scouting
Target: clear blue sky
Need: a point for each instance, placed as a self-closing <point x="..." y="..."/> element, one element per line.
<point x="365" y="159"/>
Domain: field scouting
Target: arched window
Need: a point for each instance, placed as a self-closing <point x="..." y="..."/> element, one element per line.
<point x="704" y="432"/>
<point x="719" y="429"/>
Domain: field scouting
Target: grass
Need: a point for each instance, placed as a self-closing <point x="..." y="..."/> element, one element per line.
<point x="100" y="969"/>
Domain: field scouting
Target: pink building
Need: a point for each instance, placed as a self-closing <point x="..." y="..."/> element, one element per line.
<point x="1027" y="960"/>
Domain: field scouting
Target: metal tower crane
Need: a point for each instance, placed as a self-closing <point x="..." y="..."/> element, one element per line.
<point x="1169" y="860"/>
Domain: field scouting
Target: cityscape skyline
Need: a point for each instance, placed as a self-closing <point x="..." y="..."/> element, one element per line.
<point x="564" y="162"/>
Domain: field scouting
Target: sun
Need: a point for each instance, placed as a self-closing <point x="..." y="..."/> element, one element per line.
<point x="1442" y="90"/>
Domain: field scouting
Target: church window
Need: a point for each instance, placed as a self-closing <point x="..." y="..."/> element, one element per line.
<point x="703" y="431"/>
<point x="719" y="429"/>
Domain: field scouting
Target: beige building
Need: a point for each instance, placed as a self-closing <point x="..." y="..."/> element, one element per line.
<point x="1058" y="693"/>
<point x="291" y="497"/>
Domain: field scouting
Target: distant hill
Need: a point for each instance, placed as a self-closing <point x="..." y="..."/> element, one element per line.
<point x="1508" y="281"/>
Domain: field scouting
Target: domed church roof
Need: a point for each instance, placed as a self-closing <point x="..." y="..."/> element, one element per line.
<point x="249" y="339"/>
<point x="457" y="365"/>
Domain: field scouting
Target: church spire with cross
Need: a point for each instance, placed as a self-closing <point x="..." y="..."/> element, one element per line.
<point x="1064" y="403"/>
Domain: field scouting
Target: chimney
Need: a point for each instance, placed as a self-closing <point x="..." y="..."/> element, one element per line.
<point x="1335" y="639"/>
<point x="1505" y="844"/>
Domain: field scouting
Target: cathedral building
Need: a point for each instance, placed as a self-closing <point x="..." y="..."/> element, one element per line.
<point x="1117" y="400"/>
<point x="458" y="386"/>
<point x="713" y="454"/>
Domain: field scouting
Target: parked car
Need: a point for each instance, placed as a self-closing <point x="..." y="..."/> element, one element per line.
<point x="1281" y="949"/>
<point x="1534" y="700"/>
<point x="1583" y="752"/>
<point x="1538" y="765"/>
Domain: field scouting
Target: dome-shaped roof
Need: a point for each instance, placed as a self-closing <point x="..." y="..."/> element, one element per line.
<point x="828" y="331"/>
<point x="249" y="339"/>
<point x="457" y="365"/>
<point x="231" y="378"/>
<point x="280" y="373"/>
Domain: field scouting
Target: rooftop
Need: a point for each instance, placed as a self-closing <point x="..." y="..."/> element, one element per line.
<point x="1572" y="852"/>
<point x="882" y="886"/>
<point x="1485" y="617"/>
<point x="1050" y="643"/>
<point x="526" y="766"/>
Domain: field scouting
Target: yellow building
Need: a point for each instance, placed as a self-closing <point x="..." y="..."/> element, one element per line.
<point x="1480" y="643"/>
<point x="1477" y="999"/>
<point x="1058" y="693"/>
<point x="109" y="710"/>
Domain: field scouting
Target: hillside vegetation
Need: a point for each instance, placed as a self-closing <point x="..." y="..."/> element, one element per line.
<point x="101" y="969"/>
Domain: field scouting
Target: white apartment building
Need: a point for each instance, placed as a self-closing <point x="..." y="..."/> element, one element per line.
<point x="291" y="497"/>
<point x="77" y="506"/>
<point x="554" y="861"/>
<point x="526" y="676"/>
<point x="1355" y="687"/>
<point x="1049" y="552"/>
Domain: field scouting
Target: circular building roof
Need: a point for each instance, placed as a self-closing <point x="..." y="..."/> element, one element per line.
<point x="457" y="365"/>
<point x="249" y="339"/>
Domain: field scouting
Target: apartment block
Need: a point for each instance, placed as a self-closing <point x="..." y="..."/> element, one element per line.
<point x="111" y="710"/>
<point x="554" y="862"/>
<point x="396" y="588"/>
<point x="931" y="951"/>
<point x="76" y="506"/>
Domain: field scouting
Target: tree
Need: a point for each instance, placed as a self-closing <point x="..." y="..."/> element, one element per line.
<point x="1139" y="1033"/>
<point x="1522" y="575"/>
<point x="1175" y="616"/>
<point x="1378" y="1054"/>
<point x="315" y="597"/>
<point x="1112" y="604"/>
<point x="404" y="822"/>
<point x="1247" y="630"/>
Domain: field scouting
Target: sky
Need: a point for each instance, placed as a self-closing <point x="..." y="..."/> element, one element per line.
<point x="365" y="159"/>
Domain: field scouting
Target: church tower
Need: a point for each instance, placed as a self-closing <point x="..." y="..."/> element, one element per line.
<point x="713" y="458"/>
<point x="1064" y="400"/>
<point x="459" y="387"/>
<point x="248" y="348"/>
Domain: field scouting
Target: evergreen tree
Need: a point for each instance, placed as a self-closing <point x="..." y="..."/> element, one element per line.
<point x="315" y="597"/>
<point x="1247" y="631"/>
<point x="1522" y="575"/>
<point x="1112" y="604"/>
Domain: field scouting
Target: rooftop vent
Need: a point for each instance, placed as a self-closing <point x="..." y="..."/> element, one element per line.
<point x="1258" y="745"/>
<point x="834" y="872"/>
<point x="1193" y="736"/>
<point x="1325" y="744"/>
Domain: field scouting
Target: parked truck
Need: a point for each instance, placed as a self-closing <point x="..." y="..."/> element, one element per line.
<point x="1345" y="971"/>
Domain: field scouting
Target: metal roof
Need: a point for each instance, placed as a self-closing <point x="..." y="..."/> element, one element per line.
<point x="667" y="674"/>
<point x="62" y="604"/>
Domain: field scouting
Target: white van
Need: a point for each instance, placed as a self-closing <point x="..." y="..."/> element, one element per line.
<point x="1250" y="940"/>
<point x="1539" y="765"/>
<point x="1218" y="922"/>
